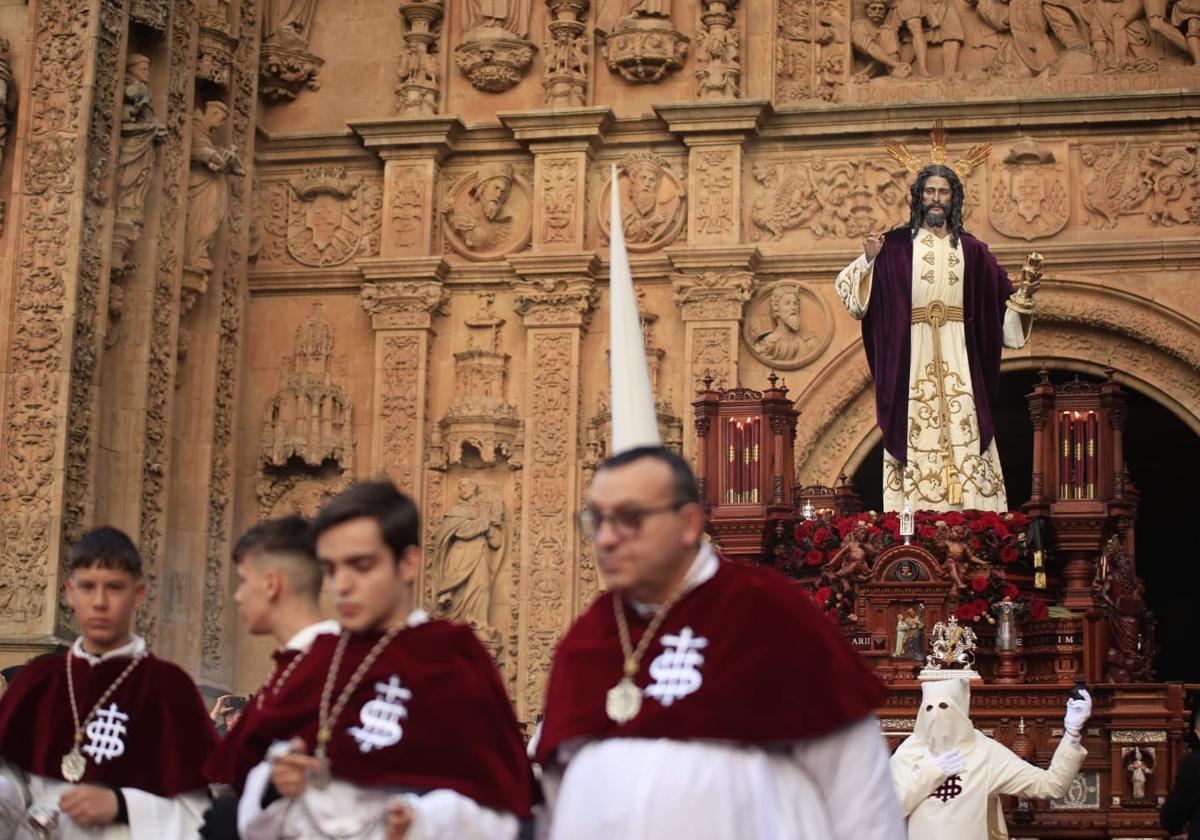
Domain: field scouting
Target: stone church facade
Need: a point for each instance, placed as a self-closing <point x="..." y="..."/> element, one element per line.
<point x="254" y="249"/>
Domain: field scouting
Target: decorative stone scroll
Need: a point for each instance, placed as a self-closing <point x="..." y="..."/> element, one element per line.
<point x="1153" y="181"/>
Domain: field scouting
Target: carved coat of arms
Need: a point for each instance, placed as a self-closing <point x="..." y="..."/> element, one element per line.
<point x="325" y="219"/>
<point x="1030" y="191"/>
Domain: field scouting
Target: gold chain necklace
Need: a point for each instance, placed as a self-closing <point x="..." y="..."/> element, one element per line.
<point x="326" y="717"/>
<point x="73" y="763"/>
<point x="624" y="700"/>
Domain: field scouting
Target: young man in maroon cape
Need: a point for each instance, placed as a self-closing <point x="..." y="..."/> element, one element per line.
<point x="701" y="698"/>
<point x="106" y="741"/>
<point x="936" y="311"/>
<point x="397" y="728"/>
<point x="279" y="586"/>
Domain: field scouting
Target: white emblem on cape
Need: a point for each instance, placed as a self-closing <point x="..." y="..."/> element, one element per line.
<point x="674" y="671"/>
<point x="380" y="718"/>
<point x="104" y="734"/>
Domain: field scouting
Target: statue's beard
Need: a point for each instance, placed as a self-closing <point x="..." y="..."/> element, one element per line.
<point x="644" y="201"/>
<point x="935" y="215"/>
<point x="792" y="320"/>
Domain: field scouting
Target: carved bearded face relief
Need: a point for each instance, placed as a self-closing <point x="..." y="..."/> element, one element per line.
<point x="644" y="182"/>
<point x="493" y="193"/>
<point x="785" y="306"/>
<point x="876" y="12"/>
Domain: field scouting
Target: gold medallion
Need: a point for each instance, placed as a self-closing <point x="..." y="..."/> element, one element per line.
<point x="73" y="765"/>
<point x="623" y="701"/>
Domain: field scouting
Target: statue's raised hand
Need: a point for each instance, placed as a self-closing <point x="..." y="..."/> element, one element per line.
<point x="872" y="245"/>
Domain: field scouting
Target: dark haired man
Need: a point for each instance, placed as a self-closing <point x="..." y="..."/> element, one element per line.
<point x="108" y="740"/>
<point x="279" y="586"/>
<point x="701" y="698"/>
<point x="936" y="311"/>
<point x="397" y="727"/>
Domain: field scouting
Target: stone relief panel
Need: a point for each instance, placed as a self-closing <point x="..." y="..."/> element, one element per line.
<point x="323" y="217"/>
<point x="719" y="73"/>
<point x="1138" y="183"/>
<point x="653" y="202"/>
<point x="914" y="50"/>
<point x="401" y="366"/>
<point x="712" y="358"/>
<point x="787" y="325"/>
<point x="815" y="198"/>
<point x="488" y="211"/>
<point x="716" y="193"/>
<point x="1029" y="189"/>
<point x="559" y="194"/>
<point x="406" y="212"/>
<point x="494" y="52"/>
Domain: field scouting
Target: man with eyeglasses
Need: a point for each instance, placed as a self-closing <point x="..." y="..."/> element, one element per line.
<point x="702" y="698"/>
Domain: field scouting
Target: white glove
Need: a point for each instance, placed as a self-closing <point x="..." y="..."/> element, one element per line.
<point x="1078" y="712"/>
<point x="949" y="762"/>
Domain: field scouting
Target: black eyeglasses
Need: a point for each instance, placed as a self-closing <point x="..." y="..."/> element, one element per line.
<point x="625" y="522"/>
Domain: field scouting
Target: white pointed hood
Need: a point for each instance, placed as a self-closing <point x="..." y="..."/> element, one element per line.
<point x="944" y="718"/>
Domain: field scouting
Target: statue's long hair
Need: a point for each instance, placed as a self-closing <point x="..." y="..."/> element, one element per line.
<point x="954" y="220"/>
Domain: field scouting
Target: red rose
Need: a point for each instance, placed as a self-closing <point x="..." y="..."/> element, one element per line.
<point x="953" y="518"/>
<point x="820" y="537"/>
<point x="975" y="544"/>
<point x="845" y="526"/>
<point x="1009" y="591"/>
<point x="979" y="584"/>
<point x="821" y="596"/>
<point x="1008" y="553"/>
<point x="965" y="613"/>
<point x="1000" y="529"/>
<point x="814" y="557"/>
<point x="928" y="532"/>
<point x="1038" y="610"/>
<point x="980" y="605"/>
<point x="978" y="525"/>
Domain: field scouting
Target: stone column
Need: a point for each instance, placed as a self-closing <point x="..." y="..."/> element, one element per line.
<point x="562" y="144"/>
<point x="402" y="297"/>
<point x="715" y="134"/>
<point x="554" y="298"/>
<point x="55" y="305"/>
<point x="711" y="298"/>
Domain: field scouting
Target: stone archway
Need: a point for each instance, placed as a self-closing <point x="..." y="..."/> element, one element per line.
<point x="1082" y="324"/>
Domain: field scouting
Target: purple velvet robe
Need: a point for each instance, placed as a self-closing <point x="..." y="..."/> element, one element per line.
<point x="887" y="336"/>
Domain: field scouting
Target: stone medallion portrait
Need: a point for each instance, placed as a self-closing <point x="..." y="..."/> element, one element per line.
<point x="787" y="325"/>
<point x="488" y="213"/>
<point x="653" y="202"/>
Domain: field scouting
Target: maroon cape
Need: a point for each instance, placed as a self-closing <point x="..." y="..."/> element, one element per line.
<point x="887" y="337"/>
<point x="775" y="669"/>
<point x="460" y="732"/>
<point x="168" y="735"/>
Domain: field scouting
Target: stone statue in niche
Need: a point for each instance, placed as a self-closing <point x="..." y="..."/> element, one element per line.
<point x="468" y="549"/>
<point x="288" y="23"/>
<point x="208" y="196"/>
<point x="489" y="214"/>
<point x="874" y="35"/>
<point x="1139" y="770"/>
<point x="140" y="133"/>
<point x="494" y="51"/>
<point x="1120" y="596"/>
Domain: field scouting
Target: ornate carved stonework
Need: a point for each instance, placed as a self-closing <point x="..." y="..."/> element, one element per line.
<point x="566" y="61"/>
<point x="407" y="210"/>
<point x="399" y="381"/>
<point x="560" y="190"/>
<point x="556" y="300"/>
<point x="1133" y="179"/>
<point x="299" y="493"/>
<point x="494" y="51"/>
<point x="810" y="51"/>
<point x="7" y="103"/>
<point x="1030" y="190"/>
<point x="717" y="52"/>
<point x="417" y="88"/>
<point x="310" y="416"/>
<point x="653" y="202"/>
<point x="468" y="557"/>
<point x="208" y="196"/>
<point x="716" y="195"/>
<point x="325" y="217"/>
<point x="481" y="427"/>
<point x="285" y="66"/>
<point x="488" y="213"/>
<point x="713" y="295"/>
<point x="712" y="358"/>
<point x="834" y="198"/>
<point x="787" y="325"/>
<point x="150" y="13"/>
<point x="404" y="304"/>
<point x="644" y="45"/>
<point x="216" y="49"/>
